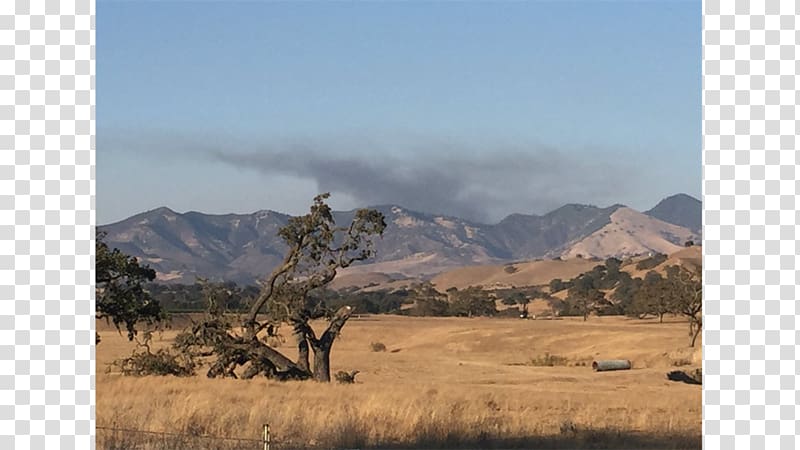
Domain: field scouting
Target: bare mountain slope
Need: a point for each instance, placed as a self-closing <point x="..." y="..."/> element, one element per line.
<point x="531" y="273"/>
<point x="632" y="233"/>
<point x="680" y="209"/>
<point x="531" y="236"/>
<point x="245" y="247"/>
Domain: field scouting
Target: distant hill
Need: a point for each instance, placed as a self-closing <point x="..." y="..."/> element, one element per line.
<point x="630" y="233"/>
<point x="541" y="272"/>
<point x="245" y="247"/>
<point x="532" y="273"/>
<point x="531" y="236"/>
<point x="681" y="209"/>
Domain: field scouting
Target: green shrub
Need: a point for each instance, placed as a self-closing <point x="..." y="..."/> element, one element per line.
<point x="651" y="262"/>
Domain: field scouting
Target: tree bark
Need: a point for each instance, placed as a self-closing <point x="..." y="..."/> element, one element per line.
<point x="322" y="364"/>
<point x="322" y="346"/>
<point x="302" y="351"/>
<point x="695" y="329"/>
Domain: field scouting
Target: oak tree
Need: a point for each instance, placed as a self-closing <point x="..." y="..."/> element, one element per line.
<point x="121" y="297"/>
<point x="317" y="249"/>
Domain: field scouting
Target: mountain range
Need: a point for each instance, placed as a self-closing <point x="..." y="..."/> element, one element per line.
<point x="245" y="247"/>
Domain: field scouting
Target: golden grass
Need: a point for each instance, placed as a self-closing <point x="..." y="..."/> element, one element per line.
<point x="530" y="273"/>
<point x="443" y="382"/>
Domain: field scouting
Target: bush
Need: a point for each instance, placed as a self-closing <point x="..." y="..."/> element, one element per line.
<point x="693" y="377"/>
<point x="548" y="360"/>
<point x="651" y="262"/>
<point x="143" y="361"/>
<point x="346" y="377"/>
<point x="378" y="347"/>
<point x="430" y="307"/>
<point x="681" y="362"/>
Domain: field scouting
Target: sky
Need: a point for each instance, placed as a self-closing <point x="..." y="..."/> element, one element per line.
<point x="471" y="109"/>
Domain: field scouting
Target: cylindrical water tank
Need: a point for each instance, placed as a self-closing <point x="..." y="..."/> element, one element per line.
<point x="611" y="364"/>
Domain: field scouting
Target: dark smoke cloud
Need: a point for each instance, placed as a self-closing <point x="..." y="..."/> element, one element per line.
<point x="449" y="179"/>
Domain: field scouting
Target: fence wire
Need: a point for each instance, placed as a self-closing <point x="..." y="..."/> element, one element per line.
<point x="130" y="438"/>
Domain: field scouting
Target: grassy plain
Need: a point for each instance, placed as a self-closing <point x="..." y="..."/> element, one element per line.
<point x="441" y="383"/>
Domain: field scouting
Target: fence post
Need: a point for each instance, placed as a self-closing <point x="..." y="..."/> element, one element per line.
<point x="266" y="436"/>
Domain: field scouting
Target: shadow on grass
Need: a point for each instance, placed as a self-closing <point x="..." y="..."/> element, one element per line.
<point x="588" y="439"/>
<point x="573" y="440"/>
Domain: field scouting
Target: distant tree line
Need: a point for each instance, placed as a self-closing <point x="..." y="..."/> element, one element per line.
<point x="190" y="298"/>
<point x="606" y="290"/>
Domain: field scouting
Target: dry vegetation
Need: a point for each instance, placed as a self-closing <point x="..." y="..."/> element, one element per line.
<point x="443" y="382"/>
<point x="530" y="273"/>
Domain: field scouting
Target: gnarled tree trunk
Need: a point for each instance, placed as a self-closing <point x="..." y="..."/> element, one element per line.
<point x="322" y="346"/>
<point x="322" y="364"/>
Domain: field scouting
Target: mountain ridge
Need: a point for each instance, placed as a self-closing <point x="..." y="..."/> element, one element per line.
<point x="680" y="209"/>
<point x="245" y="247"/>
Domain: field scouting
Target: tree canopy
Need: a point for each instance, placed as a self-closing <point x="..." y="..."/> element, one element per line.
<point x="120" y="293"/>
<point x="317" y="248"/>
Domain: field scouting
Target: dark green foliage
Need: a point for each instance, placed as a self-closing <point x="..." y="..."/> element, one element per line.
<point x="687" y="298"/>
<point x="585" y="297"/>
<point x="651" y="262"/>
<point x="613" y="265"/>
<point x="373" y="302"/>
<point x="557" y="284"/>
<point x="121" y="296"/>
<point x="189" y="297"/>
<point x="470" y="302"/>
<point x="680" y="292"/>
<point x="654" y="296"/>
<point x="431" y="307"/>
<point x="508" y="301"/>
<point x="625" y="292"/>
<point x="515" y="298"/>
<point x="428" y="301"/>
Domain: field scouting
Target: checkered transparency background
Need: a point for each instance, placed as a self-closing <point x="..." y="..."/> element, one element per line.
<point x="47" y="200"/>
<point x="46" y="216"/>
<point x="750" y="249"/>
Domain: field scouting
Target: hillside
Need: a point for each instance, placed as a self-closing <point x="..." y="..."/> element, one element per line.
<point x="632" y="233"/>
<point x="538" y="273"/>
<point x="690" y="257"/>
<point x="682" y="210"/>
<point x="245" y="247"/>
<point x="532" y="273"/>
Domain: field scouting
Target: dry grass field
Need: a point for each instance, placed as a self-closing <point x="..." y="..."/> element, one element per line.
<point x="441" y="383"/>
<point x="530" y="273"/>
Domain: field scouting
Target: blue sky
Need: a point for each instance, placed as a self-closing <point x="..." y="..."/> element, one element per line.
<point x="475" y="109"/>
